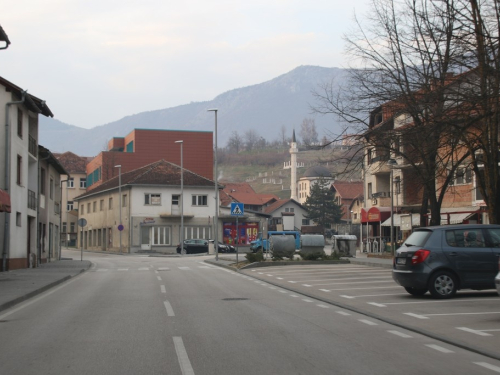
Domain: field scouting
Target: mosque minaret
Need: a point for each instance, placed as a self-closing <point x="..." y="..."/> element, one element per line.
<point x="293" y="154"/>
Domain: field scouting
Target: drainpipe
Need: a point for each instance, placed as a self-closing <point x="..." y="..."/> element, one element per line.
<point x="6" y="237"/>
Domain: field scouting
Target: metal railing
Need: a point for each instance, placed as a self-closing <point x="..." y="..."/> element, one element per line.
<point x="32" y="146"/>
<point x="31" y="200"/>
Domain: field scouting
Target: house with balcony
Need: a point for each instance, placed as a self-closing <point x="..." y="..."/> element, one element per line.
<point x="147" y="215"/>
<point x="19" y="175"/>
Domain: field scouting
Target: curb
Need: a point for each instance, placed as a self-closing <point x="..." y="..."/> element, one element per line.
<point x="293" y="263"/>
<point x="16" y="301"/>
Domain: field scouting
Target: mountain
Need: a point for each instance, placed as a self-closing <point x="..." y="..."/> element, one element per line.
<point x="265" y="107"/>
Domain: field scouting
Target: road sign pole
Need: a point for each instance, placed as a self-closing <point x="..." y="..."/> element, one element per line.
<point x="237" y="239"/>
<point x="81" y="246"/>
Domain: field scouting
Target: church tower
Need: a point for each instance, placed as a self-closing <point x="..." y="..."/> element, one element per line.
<point x="293" y="153"/>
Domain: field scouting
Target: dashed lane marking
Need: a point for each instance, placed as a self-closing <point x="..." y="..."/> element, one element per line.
<point x="488" y="366"/>
<point x="168" y="307"/>
<point x="369" y="322"/>
<point x="144" y="269"/>
<point x="426" y="316"/>
<point x="400" y="334"/>
<point x="306" y="300"/>
<point x="343" y="313"/>
<point x="474" y="331"/>
<point x="182" y="357"/>
<point x="102" y="270"/>
<point x="162" y="288"/>
<point x="439" y="348"/>
<point x="122" y="269"/>
<point x="373" y="295"/>
<point x="354" y="282"/>
<point x="384" y="304"/>
<point x="323" y="306"/>
<point x="184" y="268"/>
<point x="159" y="278"/>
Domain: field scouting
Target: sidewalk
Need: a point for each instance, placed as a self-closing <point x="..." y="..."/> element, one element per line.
<point x="19" y="285"/>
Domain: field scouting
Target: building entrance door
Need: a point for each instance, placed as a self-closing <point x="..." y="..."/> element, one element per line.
<point x="145" y="238"/>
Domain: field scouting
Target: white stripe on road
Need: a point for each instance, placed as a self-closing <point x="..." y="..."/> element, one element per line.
<point x="364" y="288"/>
<point x="341" y="279"/>
<point x="306" y="300"/>
<point x="163" y="269"/>
<point x="163" y="290"/>
<point x="488" y="366"/>
<point x="426" y="316"/>
<point x="384" y="304"/>
<point x="159" y="278"/>
<point x="122" y="269"/>
<point x="102" y="270"/>
<point x="400" y="334"/>
<point x="439" y="348"/>
<point x="369" y="322"/>
<point x="323" y="306"/>
<point x="343" y="313"/>
<point x="184" y="268"/>
<point x="168" y="307"/>
<point x="374" y="295"/>
<point x="476" y="332"/>
<point x="418" y="316"/>
<point x="182" y="356"/>
<point x="144" y="269"/>
<point x="293" y="295"/>
<point x="354" y="282"/>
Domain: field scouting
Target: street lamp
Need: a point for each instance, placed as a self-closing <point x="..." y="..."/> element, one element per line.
<point x="216" y="223"/>
<point x="182" y="198"/>
<point x="60" y="214"/>
<point x="120" y="202"/>
<point x="392" y="163"/>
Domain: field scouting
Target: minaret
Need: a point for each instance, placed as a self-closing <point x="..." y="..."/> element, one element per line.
<point x="293" y="167"/>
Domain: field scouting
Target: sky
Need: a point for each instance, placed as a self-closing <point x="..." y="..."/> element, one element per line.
<point x="97" y="61"/>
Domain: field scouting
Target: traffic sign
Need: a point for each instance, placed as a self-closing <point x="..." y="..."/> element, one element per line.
<point x="237" y="209"/>
<point x="120" y="227"/>
<point x="82" y="222"/>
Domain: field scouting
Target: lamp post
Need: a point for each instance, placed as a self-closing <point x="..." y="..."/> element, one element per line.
<point x="182" y="198"/>
<point x="392" y="163"/>
<point x="120" y="203"/>
<point x="60" y="215"/>
<point x="216" y="222"/>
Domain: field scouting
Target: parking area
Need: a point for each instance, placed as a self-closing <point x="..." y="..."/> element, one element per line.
<point x="471" y="319"/>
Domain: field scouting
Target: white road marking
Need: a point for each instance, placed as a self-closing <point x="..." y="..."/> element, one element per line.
<point x="343" y="313"/>
<point x="272" y="287"/>
<point x="418" y="316"/>
<point x="476" y="332"/>
<point x="122" y="269"/>
<point x="168" y="307"/>
<point x="283" y="291"/>
<point x="293" y="295"/>
<point x="400" y="334"/>
<point x="102" y="270"/>
<point x="438" y="301"/>
<point x="306" y="285"/>
<point x="205" y="267"/>
<point x="269" y="275"/>
<point x="364" y="288"/>
<point x="306" y="300"/>
<point x="325" y="290"/>
<point x="323" y="306"/>
<point x="488" y="366"/>
<point x="159" y="278"/>
<point x="376" y="304"/>
<point x="184" y="268"/>
<point x="344" y="278"/>
<point x="162" y="288"/>
<point x="279" y="278"/>
<point x="440" y="348"/>
<point x="374" y="295"/>
<point x="163" y="269"/>
<point x="369" y="322"/>
<point x="356" y="282"/>
<point x="144" y="269"/>
<point x="182" y="356"/>
<point x="344" y="296"/>
<point x="293" y="282"/>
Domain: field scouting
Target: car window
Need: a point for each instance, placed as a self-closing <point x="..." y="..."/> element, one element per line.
<point x="465" y="238"/>
<point x="418" y="238"/>
<point x="494" y="234"/>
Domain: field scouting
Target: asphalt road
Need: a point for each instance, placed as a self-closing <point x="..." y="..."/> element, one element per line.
<point x="141" y="315"/>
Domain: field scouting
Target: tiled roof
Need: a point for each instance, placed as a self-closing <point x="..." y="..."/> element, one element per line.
<point x="158" y="173"/>
<point x="348" y="189"/>
<point x="73" y="163"/>
<point x="276" y="205"/>
<point x="244" y="193"/>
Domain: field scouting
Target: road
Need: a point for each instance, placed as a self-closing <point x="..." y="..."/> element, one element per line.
<point x="145" y="315"/>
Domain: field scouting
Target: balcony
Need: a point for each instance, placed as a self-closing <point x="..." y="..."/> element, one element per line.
<point x="31" y="200"/>
<point x="32" y="146"/>
<point x="379" y="165"/>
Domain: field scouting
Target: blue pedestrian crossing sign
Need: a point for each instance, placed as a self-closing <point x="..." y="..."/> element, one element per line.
<point x="237" y="209"/>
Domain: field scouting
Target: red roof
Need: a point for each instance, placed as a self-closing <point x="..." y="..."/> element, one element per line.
<point x="348" y="189"/>
<point x="244" y="193"/>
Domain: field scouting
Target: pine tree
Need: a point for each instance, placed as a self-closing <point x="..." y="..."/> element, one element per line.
<point x="321" y="206"/>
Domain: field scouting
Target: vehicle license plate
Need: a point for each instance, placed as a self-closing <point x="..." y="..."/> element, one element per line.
<point x="400" y="260"/>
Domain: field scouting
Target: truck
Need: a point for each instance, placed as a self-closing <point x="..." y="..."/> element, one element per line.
<point x="263" y="243"/>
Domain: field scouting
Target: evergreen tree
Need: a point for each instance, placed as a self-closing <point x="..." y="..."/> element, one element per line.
<point x="321" y="206"/>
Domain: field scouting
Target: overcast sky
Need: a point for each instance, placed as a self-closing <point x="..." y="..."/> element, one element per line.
<point x="96" y="61"/>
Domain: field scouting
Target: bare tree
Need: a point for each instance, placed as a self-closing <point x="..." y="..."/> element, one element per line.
<point x="282" y="136"/>
<point x="308" y="132"/>
<point x="250" y="138"/>
<point x="235" y="142"/>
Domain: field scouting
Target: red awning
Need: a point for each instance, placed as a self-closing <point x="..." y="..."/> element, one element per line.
<point x="4" y="201"/>
<point x="375" y="214"/>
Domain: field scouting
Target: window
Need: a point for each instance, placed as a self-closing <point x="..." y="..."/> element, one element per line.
<point x="72" y="227"/>
<point x="161" y="235"/>
<point x="18" y="219"/>
<point x="42" y="181"/>
<point x="199" y="200"/>
<point x="51" y="187"/>
<point x="175" y="200"/>
<point x="130" y="147"/>
<point x="370" y="190"/>
<point x="70" y="182"/>
<point x="94" y="206"/>
<point x="64" y="226"/>
<point x="305" y="221"/>
<point x="494" y="235"/>
<point x="82" y="209"/>
<point x="463" y="176"/>
<point x="152" y="199"/>
<point x="69" y="206"/>
<point x="19" y="122"/>
<point x="88" y="208"/>
<point x="110" y="205"/>
<point x="19" y="169"/>
<point x="465" y="238"/>
<point x="124" y="200"/>
<point x="101" y="205"/>
<point x="83" y="182"/>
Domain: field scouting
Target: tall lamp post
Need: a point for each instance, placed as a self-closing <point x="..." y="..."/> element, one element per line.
<point x="182" y="198"/>
<point x="392" y="163"/>
<point x="120" y="203"/>
<point x="216" y="222"/>
<point x="60" y="215"/>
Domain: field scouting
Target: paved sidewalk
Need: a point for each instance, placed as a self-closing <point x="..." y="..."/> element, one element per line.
<point x="19" y="285"/>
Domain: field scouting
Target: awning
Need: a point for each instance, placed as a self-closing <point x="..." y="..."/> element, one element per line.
<point x="4" y="201"/>
<point x="456" y="218"/>
<point x="375" y="214"/>
<point x="415" y="220"/>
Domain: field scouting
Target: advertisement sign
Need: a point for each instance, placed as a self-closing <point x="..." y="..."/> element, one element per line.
<point x="248" y="232"/>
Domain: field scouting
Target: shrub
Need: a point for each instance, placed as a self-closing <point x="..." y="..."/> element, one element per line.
<point x="312" y="256"/>
<point x="255" y="257"/>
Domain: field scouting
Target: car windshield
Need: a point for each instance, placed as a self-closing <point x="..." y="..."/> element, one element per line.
<point x="417" y="238"/>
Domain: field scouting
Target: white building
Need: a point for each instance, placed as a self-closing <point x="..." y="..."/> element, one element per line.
<point x="19" y="163"/>
<point x="150" y="210"/>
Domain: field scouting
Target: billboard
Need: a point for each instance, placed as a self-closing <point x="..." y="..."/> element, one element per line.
<point x="248" y="232"/>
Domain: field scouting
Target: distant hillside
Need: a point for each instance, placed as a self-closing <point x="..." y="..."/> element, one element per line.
<point x="264" y="107"/>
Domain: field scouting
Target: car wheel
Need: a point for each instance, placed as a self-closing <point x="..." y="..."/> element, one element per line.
<point x="416" y="291"/>
<point x="443" y="285"/>
<point x="183" y="251"/>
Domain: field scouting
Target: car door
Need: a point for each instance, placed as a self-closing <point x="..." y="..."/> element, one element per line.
<point x="493" y="241"/>
<point x="467" y="253"/>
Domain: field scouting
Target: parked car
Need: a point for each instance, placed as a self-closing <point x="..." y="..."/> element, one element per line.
<point x="193" y="247"/>
<point x="444" y="259"/>
<point x="224" y="248"/>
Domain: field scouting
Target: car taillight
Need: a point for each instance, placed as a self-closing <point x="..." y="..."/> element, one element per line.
<point x="419" y="256"/>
